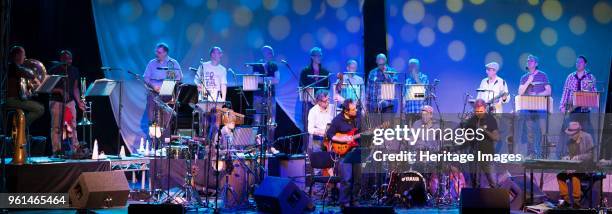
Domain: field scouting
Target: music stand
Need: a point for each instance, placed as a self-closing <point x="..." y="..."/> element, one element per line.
<point x="48" y="84"/>
<point x="416" y="92"/>
<point x="105" y="88"/>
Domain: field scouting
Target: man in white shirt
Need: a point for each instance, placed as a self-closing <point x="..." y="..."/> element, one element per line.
<point x="318" y="117"/>
<point x="211" y="77"/>
<point x="494" y="89"/>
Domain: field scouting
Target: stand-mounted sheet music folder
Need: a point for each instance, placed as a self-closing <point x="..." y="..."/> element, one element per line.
<point x="48" y="84"/>
<point x="101" y="88"/>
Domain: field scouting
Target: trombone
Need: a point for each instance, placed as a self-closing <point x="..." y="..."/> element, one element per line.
<point x="85" y="120"/>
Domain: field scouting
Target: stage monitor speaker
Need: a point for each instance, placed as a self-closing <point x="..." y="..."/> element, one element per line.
<point x="280" y="195"/>
<point x="369" y="210"/>
<point x="156" y="208"/>
<point x="484" y="200"/>
<point x="572" y="211"/>
<point x="100" y="190"/>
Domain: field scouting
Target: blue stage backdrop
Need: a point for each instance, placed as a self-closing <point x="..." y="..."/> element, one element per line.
<point x="454" y="39"/>
<point x="128" y="31"/>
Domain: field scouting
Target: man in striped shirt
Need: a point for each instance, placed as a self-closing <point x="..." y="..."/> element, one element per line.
<point x="531" y="123"/>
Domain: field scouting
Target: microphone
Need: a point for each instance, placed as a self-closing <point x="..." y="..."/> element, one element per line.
<point x="232" y="71"/>
<point x="193" y="69"/>
<point x="107" y="68"/>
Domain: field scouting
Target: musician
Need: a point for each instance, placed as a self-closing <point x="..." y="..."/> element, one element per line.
<point x="211" y="77"/>
<point x="266" y="96"/>
<point x="32" y="109"/>
<point x="343" y="123"/>
<point x="319" y="118"/>
<point x="580" y="148"/>
<point x="533" y="83"/>
<point x="163" y="67"/>
<point x="352" y="82"/>
<point x="314" y="68"/>
<point x="494" y="87"/>
<point x="481" y="119"/>
<point x="579" y="80"/>
<point x="376" y="77"/>
<point x="413" y="107"/>
<point x="69" y="101"/>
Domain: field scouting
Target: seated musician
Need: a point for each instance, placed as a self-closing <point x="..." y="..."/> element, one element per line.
<point x="345" y="122"/>
<point x="580" y="148"/>
<point x="319" y="117"/>
<point x="32" y="109"/>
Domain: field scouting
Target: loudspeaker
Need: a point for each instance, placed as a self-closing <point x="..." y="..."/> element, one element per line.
<point x="481" y="200"/>
<point x="99" y="190"/>
<point x="156" y="208"/>
<point x="572" y="211"/>
<point x="369" y="210"/>
<point x="280" y="195"/>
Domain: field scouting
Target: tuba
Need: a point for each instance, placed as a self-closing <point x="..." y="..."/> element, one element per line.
<point x="19" y="138"/>
<point x="39" y="72"/>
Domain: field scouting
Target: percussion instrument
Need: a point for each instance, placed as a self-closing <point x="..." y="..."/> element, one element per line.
<point x="250" y="81"/>
<point x="387" y="91"/>
<point x="585" y="99"/>
<point x="534" y="103"/>
<point x="178" y="152"/>
<point x="415" y="91"/>
<point x="408" y="185"/>
<point x="240" y="180"/>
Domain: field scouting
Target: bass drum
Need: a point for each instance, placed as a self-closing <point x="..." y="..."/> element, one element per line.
<point x="409" y="186"/>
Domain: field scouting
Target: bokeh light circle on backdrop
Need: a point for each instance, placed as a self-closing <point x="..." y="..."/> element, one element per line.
<point x="426" y="37"/>
<point x="279" y="27"/>
<point x="336" y="3"/>
<point x="505" y="34"/>
<point x="566" y="56"/>
<point x="353" y="24"/>
<point x="195" y="33"/>
<point x="130" y="11"/>
<point x="552" y="10"/>
<point x="577" y="25"/>
<point x="408" y="33"/>
<point x="494" y="56"/>
<point x="456" y="50"/>
<point x="548" y="36"/>
<point x="327" y="38"/>
<point x="301" y="7"/>
<point x="306" y="41"/>
<point x="270" y="4"/>
<point x="525" y="22"/>
<point x="602" y="12"/>
<point x="390" y="41"/>
<point x="242" y="16"/>
<point x="445" y="24"/>
<point x="533" y="2"/>
<point x="480" y="25"/>
<point x="413" y="11"/>
<point x="212" y="4"/>
<point x="477" y="2"/>
<point x="454" y="6"/>
<point x="398" y="63"/>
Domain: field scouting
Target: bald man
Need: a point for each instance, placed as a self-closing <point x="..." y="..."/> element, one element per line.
<point x="376" y="77"/>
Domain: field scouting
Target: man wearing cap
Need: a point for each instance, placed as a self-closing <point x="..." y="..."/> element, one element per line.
<point x="493" y="89"/>
<point x="580" y="148"/>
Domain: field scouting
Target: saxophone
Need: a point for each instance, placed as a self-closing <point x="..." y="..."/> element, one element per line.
<point x="19" y="138"/>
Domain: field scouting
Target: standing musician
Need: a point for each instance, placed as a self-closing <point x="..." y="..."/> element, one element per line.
<point x="483" y="120"/>
<point x="579" y="147"/>
<point x="58" y="100"/>
<point x="266" y="96"/>
<point x="533" y="83"/>
<point x="314" y="68"/>
<point x="496" y="89"/>
<point x="352" y="83"/>
<point x="376" y="77"/>
<point x="579" y="80"/>
<point x="211" y="77"/>
<point x="163" y="67"/>
<point x="413" y="107"/>
<point x="343" y="123"/>
<point x="32" y="109"/>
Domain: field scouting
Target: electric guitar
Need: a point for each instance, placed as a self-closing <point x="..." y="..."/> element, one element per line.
<point x="343" y="148"/>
